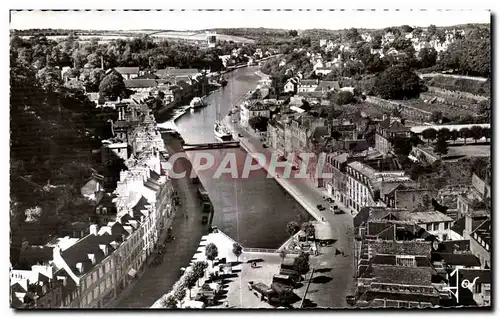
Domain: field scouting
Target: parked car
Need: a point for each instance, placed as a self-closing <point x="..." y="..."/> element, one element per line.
<point x="320" y="207"/>
<point x="240" y="135"/>
<point x="264" y="146"/>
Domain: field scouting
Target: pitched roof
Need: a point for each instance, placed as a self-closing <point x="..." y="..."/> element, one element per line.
<point x="140" y="205"/>
<point x="308" y="82"/>
<point x="484" y="231"/>
<point x="140" y="83"/>
<point x="78" y="253"/>
<point x="127" y="70"/>
<point x="153" y="175"/>
<point x="400" y="247"/>
<point x="454" y="246"/>
<point x="423" y="217"/>
<point x="328" y="85"/>
<point x="460" y="259"/>
<point x="176" y="72"/>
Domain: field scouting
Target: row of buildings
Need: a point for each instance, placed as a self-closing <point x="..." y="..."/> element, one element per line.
<point x="170" y="85"/>
<point x="400" y="264"/>
<point x="90" y="267"/>
<point x="410" y="240"/>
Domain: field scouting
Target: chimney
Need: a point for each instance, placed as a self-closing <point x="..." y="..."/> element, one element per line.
<point x="79" y="267"/>
<point x="102" y="63"/>
<point x="91" y="258"/>
<point x="104" y="249"/>
<point x="93" y="229"/>
<point x="468" y="226"/>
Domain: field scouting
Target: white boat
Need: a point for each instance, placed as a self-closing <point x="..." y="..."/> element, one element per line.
<point x="197" y="102"/>
<point x="221" y="132"/>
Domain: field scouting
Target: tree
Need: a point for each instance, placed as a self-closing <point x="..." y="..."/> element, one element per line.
<point x="444" y="133"/>
<point x="476" y="132"/>
<point x="441" y="145"/>
<point x="352" y="35"/>
<point x="112" y="86"/>
<point x="406" y="28"/>
<point x="431" y="30"/>
<point x="179" y="291"/>
<point x="258" y="123"/>
<point x="344" y="97"/>
<point x="199" y="270"/>
<point x="190" y="280"/>
<point x="465" y="133"/>
<point x="428" y="57"/>
<point x="308" y="229"/>
<point x="426" y="201"/>
<point x="293" y="33"/>
<point x="169" y="302"/>
<point x="397" y="82"/>
<point x="211" y="252"/>
<point x="301" y="263"/>
<point x="486" y="133"/>
<point x="49" y="79"/>
<point x="283" y="254"/>
<point x="436" y="116"/>
<point x="237" y="250"/>
<point x="429" y="134"/>
<point x="402" y="146"/>
<point x="292" y="227"/>
<point x="454" y="135"/>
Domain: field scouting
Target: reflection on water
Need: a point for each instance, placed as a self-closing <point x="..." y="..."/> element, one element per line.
<point x="254" y="211"/>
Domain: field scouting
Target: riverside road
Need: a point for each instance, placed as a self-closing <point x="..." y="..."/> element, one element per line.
<point x="253" y="211"/>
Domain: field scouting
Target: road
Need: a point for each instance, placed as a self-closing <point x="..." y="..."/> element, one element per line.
<point x="158" y="280"/>
<point x="309" y="196"/>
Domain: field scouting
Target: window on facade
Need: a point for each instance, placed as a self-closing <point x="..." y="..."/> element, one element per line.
<point x="446" y="225"/>
<point x="95" y="277"/>
<point x="445" y="237"/>
<point x="429" y="226"/>
<point x="435" y="226"/>
<point x="89" y="298"/>
<point x="89" y="281"/>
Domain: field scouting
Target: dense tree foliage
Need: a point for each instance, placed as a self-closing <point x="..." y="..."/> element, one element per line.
<point x="397" y="82"/>
<point x="112" y="86"/>
<point x="46" y="117"/>
<point x="470" y="55"/>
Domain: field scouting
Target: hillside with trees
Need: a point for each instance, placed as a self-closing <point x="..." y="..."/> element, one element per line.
<point x="53" y="132"/>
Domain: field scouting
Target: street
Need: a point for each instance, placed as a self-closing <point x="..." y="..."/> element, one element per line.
<point x="158" y="280"/>
<point x="309" y="196"/>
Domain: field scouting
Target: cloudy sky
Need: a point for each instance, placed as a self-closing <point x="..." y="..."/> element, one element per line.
<point x="195" y="20"/>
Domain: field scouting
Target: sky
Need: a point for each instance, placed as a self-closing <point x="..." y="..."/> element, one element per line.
<point x="198" y="20"/>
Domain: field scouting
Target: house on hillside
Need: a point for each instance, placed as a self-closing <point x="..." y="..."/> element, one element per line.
<point x="128" y="72"/>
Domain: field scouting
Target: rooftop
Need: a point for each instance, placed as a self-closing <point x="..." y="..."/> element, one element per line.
<point x="127" y="70"/>
<point x="140" y="83"/>
<point x="423" y="217"/>
<point x="79" y="253"/>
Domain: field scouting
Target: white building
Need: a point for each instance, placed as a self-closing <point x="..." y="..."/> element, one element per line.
<point x="251" y="109"/>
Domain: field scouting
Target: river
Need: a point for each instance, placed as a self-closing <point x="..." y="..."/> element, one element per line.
<point x="255" y="210"/>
